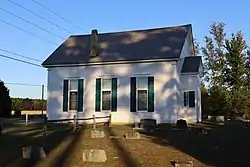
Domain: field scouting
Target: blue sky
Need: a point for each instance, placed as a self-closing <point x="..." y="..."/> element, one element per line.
<point x="106" y="16"/>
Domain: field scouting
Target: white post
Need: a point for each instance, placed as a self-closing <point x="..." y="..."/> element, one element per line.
<point x="26" y="120"/>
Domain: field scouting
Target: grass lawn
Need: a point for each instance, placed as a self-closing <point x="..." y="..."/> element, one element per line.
<point x="222" y="146"/>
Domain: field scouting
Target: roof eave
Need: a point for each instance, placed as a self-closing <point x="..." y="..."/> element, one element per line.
<point x="108" y="63"/>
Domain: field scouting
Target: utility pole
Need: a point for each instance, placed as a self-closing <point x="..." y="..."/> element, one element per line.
<point x="42" y="98"/>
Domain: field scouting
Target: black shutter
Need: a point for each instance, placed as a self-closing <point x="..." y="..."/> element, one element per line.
<point x="114" y="94"/>
<point x="80" y="95"/>
<point x="98" y="95"/>
<point x="150" y="94"/>
<point x="191" y="97"/>
<point x="65" y="95"/>
<point x="133" y="94"/>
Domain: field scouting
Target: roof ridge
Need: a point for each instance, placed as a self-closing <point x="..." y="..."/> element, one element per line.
<point x="136" y="30"/>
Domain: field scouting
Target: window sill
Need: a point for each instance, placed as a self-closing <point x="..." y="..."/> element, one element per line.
<point x="142" y="111"/>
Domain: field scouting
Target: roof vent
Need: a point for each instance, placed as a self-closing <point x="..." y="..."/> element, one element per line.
<point x="94" y="44"/>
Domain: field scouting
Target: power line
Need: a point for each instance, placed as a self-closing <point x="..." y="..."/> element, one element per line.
<point x="31" y="23"/>
<point x="8" y="57"/>
<point x="7" y="51"/>
<point x="50" y="22"/>
<point x="21" y="29"/>
<point x="60" y="16"/>
<point x="22" y="84"/>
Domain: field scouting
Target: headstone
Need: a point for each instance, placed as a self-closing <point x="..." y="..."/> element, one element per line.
<point x="148" y="124"/>
<point x="97" y="134"/>
<point x="94" y="155"/>
<point x="33" y="152"/>
<point x="183" y="164"/>
<point x="132" y="135"/>
<point x="181" y="124"/>
<point x="217" y="118"/>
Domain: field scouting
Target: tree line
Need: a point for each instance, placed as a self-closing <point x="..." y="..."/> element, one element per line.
<point x="20" y="104"/>
<point x="8" y="104"/>
<point x="226" y="80"/>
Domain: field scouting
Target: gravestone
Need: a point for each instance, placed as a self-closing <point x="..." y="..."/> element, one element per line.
<point x="148" y="124"/>
<point x="183" y="163"/>
<point x="33" y="152"/>
<point x="132" y="135"/>
<point x="181" y="124"/>
<point x="220" y="119"/>
<point x="97" y="134"/>
<point x="94" y="155"/>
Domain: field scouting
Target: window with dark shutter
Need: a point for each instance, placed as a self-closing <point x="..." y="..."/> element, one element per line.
<point x="189" y="98"/>
<point x="142" y="94"/>
<point x="73" y="94"/>
<point x="106" y="94"/>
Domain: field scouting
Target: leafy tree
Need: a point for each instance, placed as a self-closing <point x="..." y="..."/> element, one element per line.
<point x="227" y="72"/>
<point x="5" y="101"/>
<point x="236" y="72"/>
<point x="37" y="104"/>
<point x="196" y="47"/>
<point x="213" y="54"/>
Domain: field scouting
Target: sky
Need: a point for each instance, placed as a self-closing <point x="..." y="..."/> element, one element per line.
<point x="106" y="16"/>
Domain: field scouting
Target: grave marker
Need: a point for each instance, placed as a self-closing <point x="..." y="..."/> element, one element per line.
<point x="97" y="134"/>
<point x="132" y="135"/>
<point x="33" y="152"/>
<point x="94" y="155"/>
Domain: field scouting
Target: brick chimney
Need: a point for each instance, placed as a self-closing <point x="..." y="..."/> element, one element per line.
<point x="94" y="44"/>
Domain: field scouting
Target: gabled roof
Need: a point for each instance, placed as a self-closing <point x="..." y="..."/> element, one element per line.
<point x="191" y="64"/>
<point x="148" y="44"/>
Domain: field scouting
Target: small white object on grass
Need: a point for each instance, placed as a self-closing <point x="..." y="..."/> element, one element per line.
<point x="94" y="155"/>
<point x="97" y="134"/>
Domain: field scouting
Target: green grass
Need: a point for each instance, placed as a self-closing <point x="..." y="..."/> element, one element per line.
<point x="222" y="146"/>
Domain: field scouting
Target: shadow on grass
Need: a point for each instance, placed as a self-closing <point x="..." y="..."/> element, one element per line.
<point x="60" y="161"/>
<point x="14" y="145"/>
<point x="222" y="146"/>
<point x="126" y="157"/>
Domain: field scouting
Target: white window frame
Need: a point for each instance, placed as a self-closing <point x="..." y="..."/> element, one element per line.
<point x="110" y="89"/>
<point x="137" y="79"/>
<point x="183" y="98"/>
<point x="74" y="90"/>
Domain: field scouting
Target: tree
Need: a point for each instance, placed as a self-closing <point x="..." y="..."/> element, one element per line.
<point x="196" y="47"/>
<point x="213" y="54"/>
<point x="236" y="72"/>
<point x="17" y="104"/>
<point x="5" y="101"/>
<point x="37" y="104"/>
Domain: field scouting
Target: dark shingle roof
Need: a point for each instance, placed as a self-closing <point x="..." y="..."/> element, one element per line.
<point x="149" y="44"/>
<point x="191" y="64"/>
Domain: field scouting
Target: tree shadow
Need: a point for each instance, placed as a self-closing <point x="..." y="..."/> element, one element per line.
<point x="126" y="157"/>
<point x="51" y="141"/>
<point x="222" y="146"/>
<point x="70" y="148"/>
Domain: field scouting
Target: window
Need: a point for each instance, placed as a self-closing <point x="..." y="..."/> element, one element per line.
<point x="73" y="87"/>
<point x="106" y="94"/>
<point x="142" y="94"/>
<point x="189" y="98"/>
